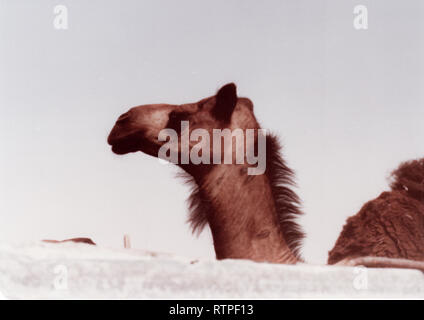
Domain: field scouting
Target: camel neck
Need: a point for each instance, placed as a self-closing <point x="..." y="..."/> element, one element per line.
<point x="243" y="219"/>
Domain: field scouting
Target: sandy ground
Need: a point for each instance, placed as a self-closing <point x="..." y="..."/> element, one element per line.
<point x="80" y="271"/>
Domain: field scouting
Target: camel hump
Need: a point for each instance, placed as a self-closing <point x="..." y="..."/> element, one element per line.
<point x="388" y="226"/>
<point x="409" y="177"/>
<point x="79" y="240"/>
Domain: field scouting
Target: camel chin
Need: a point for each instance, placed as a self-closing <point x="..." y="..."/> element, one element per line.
<point x="120" y="149"/>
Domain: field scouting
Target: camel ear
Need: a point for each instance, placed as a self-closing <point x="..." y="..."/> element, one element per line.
<point x="226" y="100"/>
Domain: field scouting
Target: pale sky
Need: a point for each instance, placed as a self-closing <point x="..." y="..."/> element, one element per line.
<point x="348" y="105"/>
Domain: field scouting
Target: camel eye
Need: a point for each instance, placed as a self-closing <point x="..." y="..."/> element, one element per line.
<point x="175" y="118"/>
<point x="178" y="116"/>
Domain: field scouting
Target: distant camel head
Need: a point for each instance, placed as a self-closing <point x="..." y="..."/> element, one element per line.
<point x="139" y="129"/>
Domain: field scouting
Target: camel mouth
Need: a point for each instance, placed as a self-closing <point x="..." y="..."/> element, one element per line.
<point x="120" y="149"/>
<point x="131" y="143"/>
<point x="125" y="145"/>
<point x="122" y="144"/>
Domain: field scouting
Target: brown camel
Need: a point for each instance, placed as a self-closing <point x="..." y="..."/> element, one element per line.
<point x="391" y="225"/>
<point x="250" y="216"/>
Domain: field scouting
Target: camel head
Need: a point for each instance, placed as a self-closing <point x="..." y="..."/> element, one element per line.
<point x="147" y="128"/>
